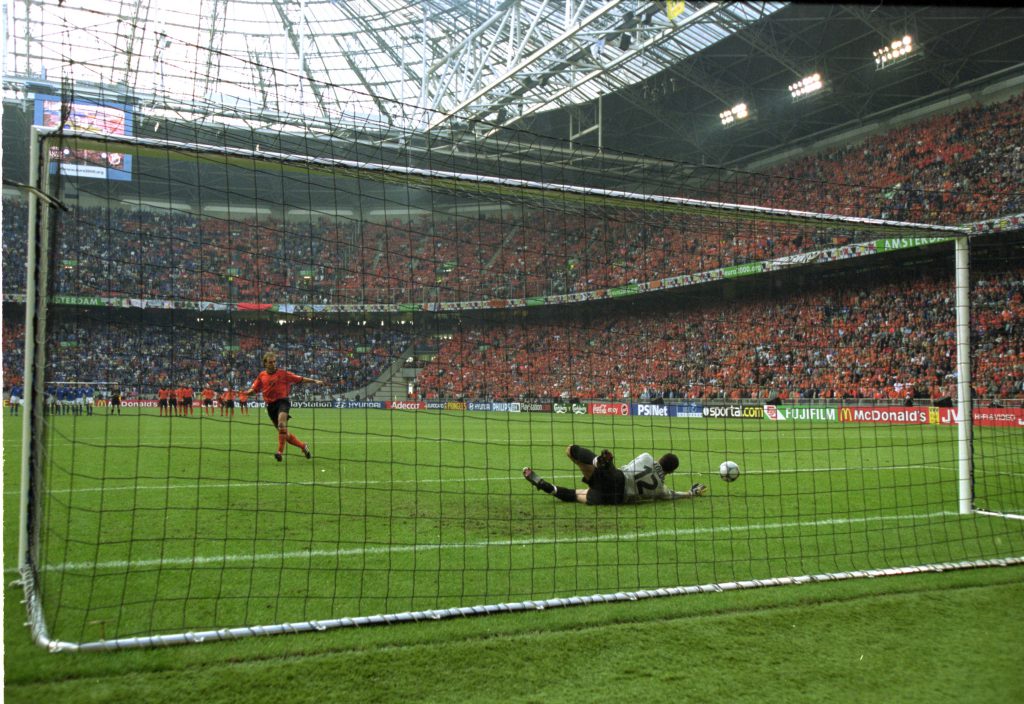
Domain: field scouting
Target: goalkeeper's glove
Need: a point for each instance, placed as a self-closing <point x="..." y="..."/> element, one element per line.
<point x="605" y="460"/>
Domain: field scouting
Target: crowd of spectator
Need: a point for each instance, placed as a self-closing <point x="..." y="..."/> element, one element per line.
<point x="142" y="357"/>
<point x="894" y="341"/>
<point x="947" y="169"/>
<point x="889" y="341"/>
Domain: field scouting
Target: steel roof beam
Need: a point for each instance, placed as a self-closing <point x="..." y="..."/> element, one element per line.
<point x="502" y="79"/>
<point x="655" y="37"/>
<point x="296" y="42"/>
<point x="737" y="25"/>
<point x="377" y="100"/>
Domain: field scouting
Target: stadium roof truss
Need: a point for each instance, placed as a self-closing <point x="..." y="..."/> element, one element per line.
<point x="385" y="66"/>
<point x="605" y="88"/>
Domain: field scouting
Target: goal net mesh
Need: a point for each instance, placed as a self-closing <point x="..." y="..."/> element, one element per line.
<point x="472" y="311"/>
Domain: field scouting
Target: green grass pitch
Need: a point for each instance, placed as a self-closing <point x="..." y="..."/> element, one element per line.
<point x="163" y="525"/>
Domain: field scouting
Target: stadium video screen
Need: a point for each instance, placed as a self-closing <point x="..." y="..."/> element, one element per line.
<point x="87" y="116"/>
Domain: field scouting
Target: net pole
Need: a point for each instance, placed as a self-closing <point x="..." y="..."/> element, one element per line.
<point x="38" y="262"/>
<point x="963" y="364"/>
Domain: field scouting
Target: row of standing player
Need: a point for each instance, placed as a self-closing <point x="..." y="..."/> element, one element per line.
<point x="64" y="400"/>
<point x="275" y="385"/>
<point x="81" y="400"/>
<point x="181" y="401"/>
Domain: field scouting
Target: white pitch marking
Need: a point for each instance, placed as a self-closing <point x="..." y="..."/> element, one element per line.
<point x="373" y="482"/>
<point x="306" y="554"/>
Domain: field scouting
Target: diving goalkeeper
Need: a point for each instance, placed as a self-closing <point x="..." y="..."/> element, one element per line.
<point x="276" y="384"/>
<point x="643" y="479"/>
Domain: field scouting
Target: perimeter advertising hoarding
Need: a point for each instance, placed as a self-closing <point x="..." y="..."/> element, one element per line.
<point x="990" y="417"/>
<point x="608" y="409"/>
<point x="734" y="410"/>
<point x="904" y="415"/>
<point x="84" y="115"/>
<point x="345" y="403"/>
<point x="512" y="406"/>
<point x="667" y="410"/>
<point x="895" y="415"/>
<point x="575" y="408"/>
<point x="782" y="413"/>
<point x="931" y="415"/>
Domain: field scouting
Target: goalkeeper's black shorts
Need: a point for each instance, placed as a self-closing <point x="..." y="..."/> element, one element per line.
<point x="607" y="487"/>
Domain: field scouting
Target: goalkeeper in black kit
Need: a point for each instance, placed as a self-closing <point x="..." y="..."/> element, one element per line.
<point x="643" y="479"/>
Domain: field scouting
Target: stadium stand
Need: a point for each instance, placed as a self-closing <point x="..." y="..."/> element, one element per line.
<point x="143" y="357"/>
<point x="866" y="344"/>
<point x="183" y="256"/>
<point x="870" y="343"/>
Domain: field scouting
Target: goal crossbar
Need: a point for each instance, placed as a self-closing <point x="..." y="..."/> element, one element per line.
<point x="481" y="184"/>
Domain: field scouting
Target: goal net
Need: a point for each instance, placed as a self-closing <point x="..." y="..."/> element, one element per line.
<point x="469" y="322"/>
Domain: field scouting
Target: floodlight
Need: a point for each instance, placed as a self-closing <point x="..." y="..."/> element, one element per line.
<point x="806" y="86"/>
<point x="734" y="114"/>
<point x="897" y="51"/>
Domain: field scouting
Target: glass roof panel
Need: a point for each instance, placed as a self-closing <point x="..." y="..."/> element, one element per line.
<point x="352" y="62"/>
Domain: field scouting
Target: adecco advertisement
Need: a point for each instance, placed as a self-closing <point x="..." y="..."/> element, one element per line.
<point x="423" y="405"/>
<point x="405" y="405"/>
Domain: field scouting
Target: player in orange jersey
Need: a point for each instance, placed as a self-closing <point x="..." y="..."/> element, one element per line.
<point x="227" y="403"/>
<point x="243" y="402"/>
<point x="207" y="394"/>
<point x="186" y="401"/>
<point x="276" y="384"/>
<point x="161" y="395"/>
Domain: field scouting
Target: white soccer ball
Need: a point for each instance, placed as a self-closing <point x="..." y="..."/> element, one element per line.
<point x="729" y="470"/>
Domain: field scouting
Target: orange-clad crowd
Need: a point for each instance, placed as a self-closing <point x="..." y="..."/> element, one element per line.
<point x="949" y="168"/>
<point x="893" y="341"/>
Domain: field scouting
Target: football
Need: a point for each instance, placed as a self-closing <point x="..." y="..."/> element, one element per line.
<point x="729" y="470"/>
